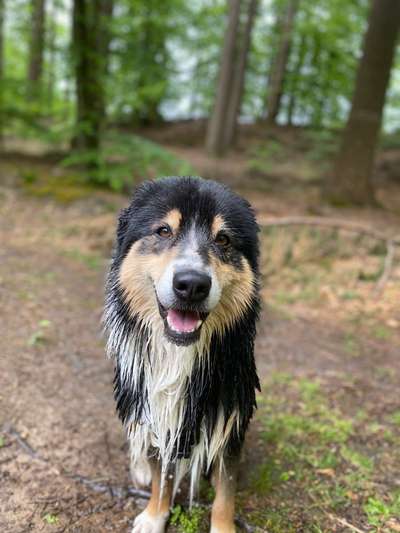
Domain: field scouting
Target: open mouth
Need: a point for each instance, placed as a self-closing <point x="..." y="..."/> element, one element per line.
<point x="182" y="326"/>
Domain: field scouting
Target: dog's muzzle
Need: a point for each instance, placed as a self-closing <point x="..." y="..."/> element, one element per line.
<point x="183" y="320"/>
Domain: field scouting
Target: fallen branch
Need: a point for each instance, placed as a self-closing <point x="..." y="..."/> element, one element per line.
<point x="351" y="227"/>
<point x="336" y="223"/>
<point x="345" y="523"/>
<point x="23" y="443"/>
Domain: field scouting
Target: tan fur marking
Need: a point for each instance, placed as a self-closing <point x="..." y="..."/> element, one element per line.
<point x="217" y="225"/>
<point x="173" y="219"/>
<point x="137" y="276"/>
<point x="159" y="501"/>
<point x="223" y="509"/>
<point x="237" y="290"/>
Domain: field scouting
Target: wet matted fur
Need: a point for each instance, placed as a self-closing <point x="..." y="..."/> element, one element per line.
<point x="180" y="315"/>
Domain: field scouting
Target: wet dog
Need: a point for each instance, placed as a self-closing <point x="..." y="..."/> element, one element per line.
<point x="180" y="315"/>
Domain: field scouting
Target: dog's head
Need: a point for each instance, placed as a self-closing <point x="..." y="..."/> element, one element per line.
<point x="186" y="257"/>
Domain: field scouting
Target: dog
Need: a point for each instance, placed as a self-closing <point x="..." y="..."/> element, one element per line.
<point x="182" y="302"/>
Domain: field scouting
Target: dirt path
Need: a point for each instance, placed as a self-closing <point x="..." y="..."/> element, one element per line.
<point x="57" y="412"/>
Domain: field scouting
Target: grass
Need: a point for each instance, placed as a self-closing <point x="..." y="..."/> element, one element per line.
<point x="92" y="261"/>
<point x="317" y="462"/>
<point x="40" y="336"/>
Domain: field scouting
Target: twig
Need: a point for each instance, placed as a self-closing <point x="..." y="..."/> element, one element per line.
<point x="24" y="444"/>
<point x="351" y="227"/>
<point x="344" y="522"/>
<point x="114" y="490"/>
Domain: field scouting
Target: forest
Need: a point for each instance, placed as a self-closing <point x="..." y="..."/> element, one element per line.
<point x="81" y="77"/>
<point x="295" y="104"/>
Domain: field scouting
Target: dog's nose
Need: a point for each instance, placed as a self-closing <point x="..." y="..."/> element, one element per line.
<point x="191" y="286"/>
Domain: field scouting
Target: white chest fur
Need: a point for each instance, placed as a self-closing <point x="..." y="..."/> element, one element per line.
<point x="167" y="370"/>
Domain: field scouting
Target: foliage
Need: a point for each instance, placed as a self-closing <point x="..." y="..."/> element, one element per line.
<point x="164" y="58"/>
<point x="128" y="159"/>
<point x="187" y="521"/>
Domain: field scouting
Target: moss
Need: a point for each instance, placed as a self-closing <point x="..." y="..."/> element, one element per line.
<point x="65" y="188"/>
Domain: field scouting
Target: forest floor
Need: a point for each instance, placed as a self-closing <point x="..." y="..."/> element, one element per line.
<point x="323" y="453"/>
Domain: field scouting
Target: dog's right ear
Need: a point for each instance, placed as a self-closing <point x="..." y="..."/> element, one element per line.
<point x="123" y="221"/>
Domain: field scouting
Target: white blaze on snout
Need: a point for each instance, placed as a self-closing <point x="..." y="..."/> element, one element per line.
<point x="189" y="258"/>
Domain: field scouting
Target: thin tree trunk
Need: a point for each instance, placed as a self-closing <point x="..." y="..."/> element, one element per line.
<point x="277" y="75"/>
<point x="350" y="182"/>
<point x="293" y="85"/>
<point x="1" y="70"/>
<point x="239" y="74"/>
<point x="105" y="36"/>
<point x="215" y="131"/>
<point x="35" y="65"/>
<point x="318" y="106"/>
<point x="89" y="80"/>
<point x="51" y="46"/>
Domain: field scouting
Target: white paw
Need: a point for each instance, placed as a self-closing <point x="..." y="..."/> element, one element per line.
<point x="141" y="473"/>
<point x="228" y="528"/>
<point x="145" y="523"/>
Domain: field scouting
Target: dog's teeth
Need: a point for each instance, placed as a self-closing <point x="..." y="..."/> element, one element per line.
<point x="199" y="323"/>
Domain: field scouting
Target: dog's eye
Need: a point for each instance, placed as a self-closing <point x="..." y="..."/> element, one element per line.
<point x="164" y="232"/>
<point x="222" y="240"/>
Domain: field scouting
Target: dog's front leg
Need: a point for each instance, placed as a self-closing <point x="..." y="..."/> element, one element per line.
<point x="223" y="509"/>
<point x="154" y="518"/>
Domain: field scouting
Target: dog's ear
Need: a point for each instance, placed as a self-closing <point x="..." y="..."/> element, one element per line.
<point x="123" y="221"/>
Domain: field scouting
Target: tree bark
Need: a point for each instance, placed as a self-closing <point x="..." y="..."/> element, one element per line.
<point x="105" y="36"/>
<point x="350" y="182"/>
<point x="89" y="68"/>
<point x="215" y="142"/>
<point x="291" y="108"/>
<point x="51" y="67"/>
<point x="236" y="96"/>
<point x="35" y="65"/>
<point x="91" y="40"/>
<point x="278" y="70"/>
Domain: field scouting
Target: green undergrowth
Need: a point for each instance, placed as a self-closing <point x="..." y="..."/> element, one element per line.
<point x="320" y="462"/>
<point x="123" y="162"/>
<point x="188" y="521"/>
<point x="126" y="159"/>
<point x="64" y="188"/>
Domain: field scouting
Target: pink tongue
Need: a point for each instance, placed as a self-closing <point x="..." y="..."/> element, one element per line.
<point x="182" y="321"/>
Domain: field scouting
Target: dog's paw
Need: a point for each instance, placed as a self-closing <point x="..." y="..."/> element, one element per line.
<point x="145" y="523"/>
<point x="141" y="473"/>
<point x="227" y="528"/>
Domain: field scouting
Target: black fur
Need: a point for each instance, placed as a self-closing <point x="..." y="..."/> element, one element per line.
<point x="231" y="379"/>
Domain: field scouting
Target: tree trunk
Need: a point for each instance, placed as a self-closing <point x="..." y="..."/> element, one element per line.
<point x="278" y="70"/>
<point x="89" y="68"/>
<point x="51" y="68"/>
<point x="236" y="95"/>
<point x="215" y="142"/>
<point x="105" y="36"/>
<point x="291" y="108"/>
<point x="35" y="65"/>
<point x="350" y="182"/>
